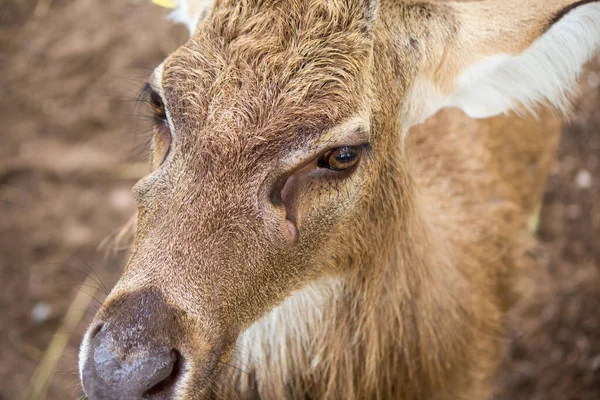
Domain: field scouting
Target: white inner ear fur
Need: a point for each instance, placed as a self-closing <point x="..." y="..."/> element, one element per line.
<point x="545" y="73"/>
<point x="190" y="12"/>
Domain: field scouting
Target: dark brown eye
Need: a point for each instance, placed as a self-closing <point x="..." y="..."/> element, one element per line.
<point x="341" y="159"/>
<point x="158" y="107"/>
<point x="161" y="138"/>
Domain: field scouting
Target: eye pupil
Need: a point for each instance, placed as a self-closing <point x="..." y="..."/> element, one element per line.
<point x="340" y="159"/>
<point x="345" y="155"/>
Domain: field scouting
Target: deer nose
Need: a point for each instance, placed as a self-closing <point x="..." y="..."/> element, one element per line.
<point x="115" y="372"/>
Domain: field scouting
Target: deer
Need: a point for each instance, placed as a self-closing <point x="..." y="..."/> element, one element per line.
<point x="338" y="199"/>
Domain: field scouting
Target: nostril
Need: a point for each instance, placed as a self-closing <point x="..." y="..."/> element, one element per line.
<point x="168" y="376"/>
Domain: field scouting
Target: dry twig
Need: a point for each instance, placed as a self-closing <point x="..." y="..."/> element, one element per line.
<point x="38" y="385"/>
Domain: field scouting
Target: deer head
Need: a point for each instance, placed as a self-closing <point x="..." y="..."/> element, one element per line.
<point x="278" y="165"/>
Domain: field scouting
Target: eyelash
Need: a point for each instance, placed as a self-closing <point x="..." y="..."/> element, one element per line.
<point x="161" y="133"/>
<point x="153" y="99"/>
<point x="158" y="107"/>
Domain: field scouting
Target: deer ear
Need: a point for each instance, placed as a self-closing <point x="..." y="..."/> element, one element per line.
<point x="191" y="12"/>
<point x="512" y="54"/>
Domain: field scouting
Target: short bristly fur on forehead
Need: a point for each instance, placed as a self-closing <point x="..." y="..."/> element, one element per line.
<point x="272" y="71"/>
<point x="531" y="55"/>
<point x="192" y="12"/>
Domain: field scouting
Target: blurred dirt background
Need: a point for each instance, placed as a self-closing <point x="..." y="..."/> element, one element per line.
<point x="72" y="139"/>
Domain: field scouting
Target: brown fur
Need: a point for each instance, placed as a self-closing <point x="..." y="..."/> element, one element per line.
<point x="424" y="239"/>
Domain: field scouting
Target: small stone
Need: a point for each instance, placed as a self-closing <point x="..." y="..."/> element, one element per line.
<point x="41" y="312"/>
<point x="584" y="179"/>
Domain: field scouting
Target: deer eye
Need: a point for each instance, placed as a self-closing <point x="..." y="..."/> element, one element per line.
<point x="161" y="138"/>
<point x="158" y="107"/>
<point x="341" y="158"/>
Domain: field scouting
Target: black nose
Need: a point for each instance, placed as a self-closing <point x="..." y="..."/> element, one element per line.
<point x="113" y="371"/>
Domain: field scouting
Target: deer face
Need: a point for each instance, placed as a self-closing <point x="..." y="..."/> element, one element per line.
<point x="278" y="161"/>
<point x="261" y="162"/>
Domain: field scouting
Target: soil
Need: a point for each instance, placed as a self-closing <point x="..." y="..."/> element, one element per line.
<point x="72" y="141"/>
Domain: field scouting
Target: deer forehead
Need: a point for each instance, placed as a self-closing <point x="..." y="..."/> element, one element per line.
<point x="261" y="76"/>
